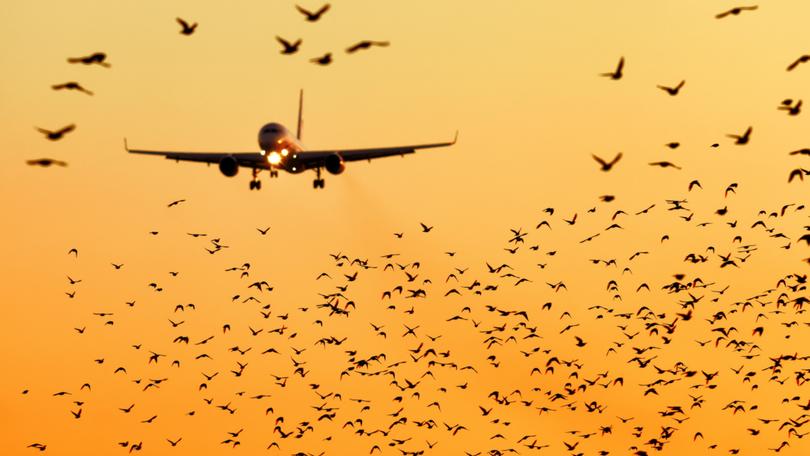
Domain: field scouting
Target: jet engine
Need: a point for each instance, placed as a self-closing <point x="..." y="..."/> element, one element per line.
<point x="229" y="166"/>
<point x="334" y="164"/>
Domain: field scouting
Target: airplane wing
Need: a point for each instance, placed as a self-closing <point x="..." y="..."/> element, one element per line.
<point x="247" y="159"/>
<point x="312" y="157"/>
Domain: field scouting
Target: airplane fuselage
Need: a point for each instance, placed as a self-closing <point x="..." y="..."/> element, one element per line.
<point x="280" y="147"/>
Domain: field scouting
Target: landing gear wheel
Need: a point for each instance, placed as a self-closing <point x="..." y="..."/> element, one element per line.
<point x="255" y="185"/>
<point x="318" y="183"/>
<point x="258" y="185"/>
<point x="273" y="173"/>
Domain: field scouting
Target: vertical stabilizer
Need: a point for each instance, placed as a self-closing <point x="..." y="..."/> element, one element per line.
<point x="300" y="113"/>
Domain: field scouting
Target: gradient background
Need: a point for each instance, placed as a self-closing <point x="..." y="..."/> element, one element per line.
<point x="519" y="81"/>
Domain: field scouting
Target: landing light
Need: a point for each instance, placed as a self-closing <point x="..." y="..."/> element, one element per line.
<point x="284" y="152"/>
<point x="274" y="158"/>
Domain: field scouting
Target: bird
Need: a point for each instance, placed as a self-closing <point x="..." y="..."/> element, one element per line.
<point x="175" y="203"/>
<point x="289" y="47"/>
<point x="802" y="59"/>
<point x="607" y="166"/>
<point x="735" y="11"/>
<point x="673" y="91"/>
<point x="742" y="139"/>
<point x="98" y="58"/>
<point x="425" y="228"/>
<point x="263" y="231"/>
<point x="323" y="60"/>
<point x="798" y="173"/>
<point x="186" y="28"/>
<point x="792" y="109"/>
<point x="617" y="73"/>
<point x="72" y="85"/>
<point x="366" y="44"/>
<point x="665" y="164"/>
<point x="313" y="17"/>
<point x="46" y="162"/>
<point x="55" y="135"/>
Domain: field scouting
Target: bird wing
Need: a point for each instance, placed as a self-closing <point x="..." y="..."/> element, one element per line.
<point x="67" y="129"/>
<point x="246" y="159"/>
<point x="182" y="22"/>
<point x="323" y="9"/>
<point x="303" y="11"/>
<point x="318" y="157"/>
<point x="358" y="46"/>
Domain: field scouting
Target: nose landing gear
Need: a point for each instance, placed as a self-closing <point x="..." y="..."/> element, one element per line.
<point x="318" y="182"/>
<point x="255" y="183"/>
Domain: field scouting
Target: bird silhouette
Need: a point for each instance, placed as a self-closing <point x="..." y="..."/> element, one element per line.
<point x="96" y="58"/>
<point x="323" y="60"/>
<point x="186" y="29"/>
<point x="288" y="46"/>
<point x="735" y="11"/>
<point x="617" y="73"/>
<point x="72" y="85"/>
<point x="607" y="166"/>
<point x="673" y="91"/>
<point x="55" y="135"/>
<point x="46" y="162"/>
<point x="313" y="17"/>
<point x="366" y="44"/>
<point x="742" y="139"/>
<point x="802" y="59"/>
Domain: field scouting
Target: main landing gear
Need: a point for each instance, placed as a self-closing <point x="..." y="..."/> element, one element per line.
<point x="255" y="183"/>
<point x="318" y="182"/>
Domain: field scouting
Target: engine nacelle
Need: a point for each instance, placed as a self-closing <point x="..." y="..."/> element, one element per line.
<point x="334" y="164"/>
<point x="229" y="166"/>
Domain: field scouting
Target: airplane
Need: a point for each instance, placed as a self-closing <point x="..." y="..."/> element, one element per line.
<point x="280" y="150"/>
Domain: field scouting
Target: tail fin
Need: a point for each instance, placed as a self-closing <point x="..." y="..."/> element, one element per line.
<point x="300" y="113"/>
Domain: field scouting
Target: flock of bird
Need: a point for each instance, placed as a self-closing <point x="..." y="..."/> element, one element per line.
<point x="444" y="357"/>
<point x="406" y="378"/>
<point x="187" y="28"/>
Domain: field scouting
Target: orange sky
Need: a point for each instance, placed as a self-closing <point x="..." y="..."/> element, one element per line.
<point x="520" y="82"/>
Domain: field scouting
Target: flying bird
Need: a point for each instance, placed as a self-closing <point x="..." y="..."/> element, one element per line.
<point x="289" y="47"/>
<point x="98" y="58"/>
<point x="673" y="91"/>
<point x="186" y="28"/>
<point x="736" y="11"/>
<point x="313" y="17"/>
<point x="323" y="60"/>
<point x="365" y="44"/>
<point x="616" y="74"/>
<point x="803" y="59"/>
<point x="607" y="166"/>
<point x="72" y="85"/>
<point x="46" y="162"/>
<point x="665" y="164"/>
<point x="56" y="135"/>
<point x="742" y="139"/>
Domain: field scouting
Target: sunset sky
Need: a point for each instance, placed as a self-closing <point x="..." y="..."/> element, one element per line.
<point x="520" y="82"/>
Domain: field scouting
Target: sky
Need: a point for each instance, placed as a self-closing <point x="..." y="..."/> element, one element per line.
<point x="520" y="83"/>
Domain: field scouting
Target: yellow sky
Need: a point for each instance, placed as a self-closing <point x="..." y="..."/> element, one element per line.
<point x="520" y="82"/>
